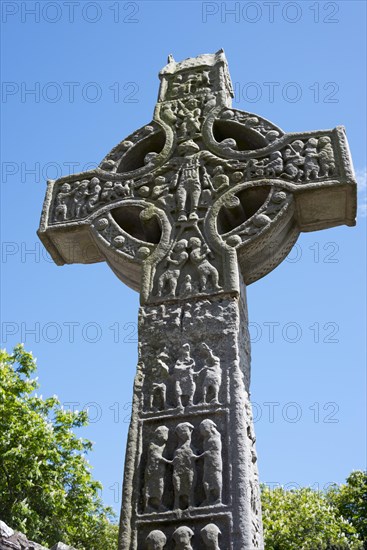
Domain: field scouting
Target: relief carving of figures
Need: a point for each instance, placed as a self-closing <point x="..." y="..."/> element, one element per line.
<point x="189" y="114"/>
<point x="80" y="194"/>
<point x="176" y="259"/>
<point x="210" y="535"/>
<point x="62" y="202"/>
<point x="193" y="256"/>
<point x="274" y="166"/>
<point x="189" y="186"/>
<point x="94" y="191"/>
<point x="206" y="271"/>
<point x="294" y="161"/>
<point x="190" y="83"/>
<point x="311" y="160"/>
<point x="213" y="464"/>
<point x="82" y="197"/>
<point x="297" y="161"/>
<point x="183" y="375"/>
<point x="155" y="471"/>
<point x="156" y="540"/>
<point x="326" y="156"/>
<point x="311" y="165"/>
<point x="159" y="376"/>
<point x="184" y="471"/>
<point x="212" y="377"/>
<point x="193" y="178"/>
<point x="113" y="190"/>
<point x="182" y="538"/>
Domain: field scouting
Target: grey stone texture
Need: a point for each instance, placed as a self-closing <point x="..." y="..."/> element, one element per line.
<point x="188" y="210"/>
<point x="13" y="540"/>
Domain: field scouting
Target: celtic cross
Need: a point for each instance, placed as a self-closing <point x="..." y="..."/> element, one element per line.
<point x="188" y="210"/>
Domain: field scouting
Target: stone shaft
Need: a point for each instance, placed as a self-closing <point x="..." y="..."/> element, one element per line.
<point x="190" y="473"/>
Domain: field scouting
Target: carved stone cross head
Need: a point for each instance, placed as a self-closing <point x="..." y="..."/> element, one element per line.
<point x="178" y="205"/>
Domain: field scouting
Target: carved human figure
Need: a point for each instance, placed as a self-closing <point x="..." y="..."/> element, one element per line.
<point x="191" y="177"/>
<point x="107" y="191"/>
<point x="213" y="375"/>
<point x="189" y="114"/>
<point x="62" y="202"/>
<point x="213" y="464"/>
<point x="176" y="259"/>
<point x="294" y="160"/>
<point x="94" y="190"/>
<point x="189" y="186"/>
<point x="155" y="470"/>
<point x="207" y="272"/>
<point x="183" y="375"/>
<point x="311" y="165"/>
<point x="254" y="168"/>
<point x="159" y="376"/>
<point x="168" y="113"/>
<point x="274" y="167"/>
<point x="184" y="471"/>
<point x="115" y="190"/>
<point x="326" y="156"/>
<point x="156" y="540"/>
<point x="80" y="196"/>
<point x="182" y="537"/>
<point x="210" y="535"/>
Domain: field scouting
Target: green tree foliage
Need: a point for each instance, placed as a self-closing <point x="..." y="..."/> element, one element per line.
<point x="46" y="487"/>
<point x="304" y="519"/>
<point x="351" y="501"/>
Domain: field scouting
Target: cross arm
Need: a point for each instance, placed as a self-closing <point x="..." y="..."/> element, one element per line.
<point x="305" y="182"/>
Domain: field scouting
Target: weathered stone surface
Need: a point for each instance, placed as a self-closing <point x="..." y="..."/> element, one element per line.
<point x="13" y="540"/>
<point x="188" y="210"/>
<point x="192" y="456"/>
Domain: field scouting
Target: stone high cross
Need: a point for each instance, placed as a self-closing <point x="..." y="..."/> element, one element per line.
<point x="188" y="210"/>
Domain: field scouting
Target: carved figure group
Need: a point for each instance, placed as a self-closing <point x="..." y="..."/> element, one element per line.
<point x="190" y="83"/>
<point x="157" y="540"/>
<point x="82" y="197"/>
<point x="183" y="462"/>
<point x="299" y="161"/>
<point x="207" y="274"/>
<point x="184" y="377"/>
<point x="309" y="160"/>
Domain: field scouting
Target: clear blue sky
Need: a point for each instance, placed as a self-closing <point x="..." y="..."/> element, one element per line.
<point x="93" y="69"/>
